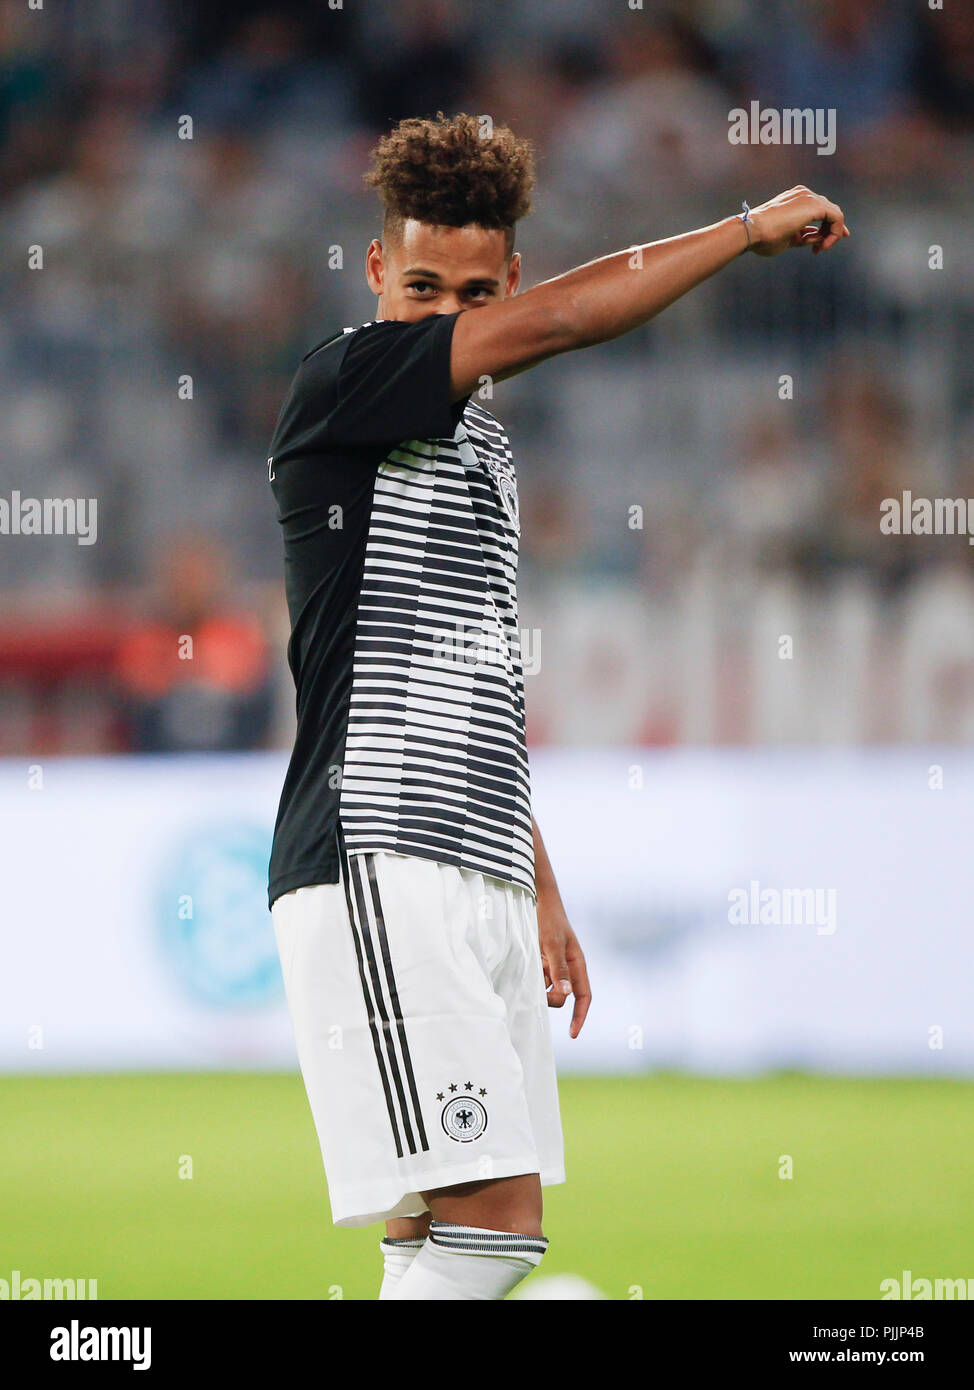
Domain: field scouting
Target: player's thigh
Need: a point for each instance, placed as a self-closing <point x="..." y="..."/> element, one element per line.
<point x="519" y="981"/>
<point x="495" y="1204"/>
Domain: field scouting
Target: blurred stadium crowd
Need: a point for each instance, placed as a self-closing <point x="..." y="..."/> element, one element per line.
<point x="690" y="494"/>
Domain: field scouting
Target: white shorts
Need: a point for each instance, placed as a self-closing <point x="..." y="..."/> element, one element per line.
<point x="417" y="997"/>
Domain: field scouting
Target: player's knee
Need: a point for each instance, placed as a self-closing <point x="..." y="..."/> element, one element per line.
<point x="510" y="1205"/>
<point x="519" y="1221"/>
<point x="522" y="1216"/>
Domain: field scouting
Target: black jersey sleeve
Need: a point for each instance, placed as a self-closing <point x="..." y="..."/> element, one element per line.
<point x="376" y="386"/>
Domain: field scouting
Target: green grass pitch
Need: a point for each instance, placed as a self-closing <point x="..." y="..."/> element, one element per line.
<point x="673" y="1187"/>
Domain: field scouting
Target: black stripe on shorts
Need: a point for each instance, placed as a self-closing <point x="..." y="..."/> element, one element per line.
<point x="406" y="1119"/>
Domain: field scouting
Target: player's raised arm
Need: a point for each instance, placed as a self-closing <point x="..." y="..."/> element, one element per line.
<point x="610" y="296"/>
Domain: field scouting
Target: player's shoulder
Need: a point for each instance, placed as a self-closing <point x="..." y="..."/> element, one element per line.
<point x="357" y="350"/>
<point x="375" y="331"/>
<point x="321" y="365"/>
<point x="336" y="338"/>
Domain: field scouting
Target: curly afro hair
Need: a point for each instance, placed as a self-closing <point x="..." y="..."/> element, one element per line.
<point x="453" y="173"/>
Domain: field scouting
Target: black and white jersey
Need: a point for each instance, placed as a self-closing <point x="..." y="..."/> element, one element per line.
<point x="400" y="519"/>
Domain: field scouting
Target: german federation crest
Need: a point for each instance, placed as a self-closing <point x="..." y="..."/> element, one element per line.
<point x="508" y="490"/>
<point x="507" y="487"/>
<point x="464" y="1115"/>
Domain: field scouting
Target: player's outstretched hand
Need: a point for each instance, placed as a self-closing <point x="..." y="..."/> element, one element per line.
<point x="797" y="218"/>
<point x="564" y="964"/>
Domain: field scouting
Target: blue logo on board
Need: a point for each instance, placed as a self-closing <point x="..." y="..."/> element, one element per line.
<point x="213" y="921"/>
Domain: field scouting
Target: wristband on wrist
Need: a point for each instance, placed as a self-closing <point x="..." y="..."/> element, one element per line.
<point x="745" y="217"/>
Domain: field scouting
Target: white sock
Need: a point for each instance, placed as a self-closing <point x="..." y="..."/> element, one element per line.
<point x="468" y="1262"/>
<point x="399" y="1253"/>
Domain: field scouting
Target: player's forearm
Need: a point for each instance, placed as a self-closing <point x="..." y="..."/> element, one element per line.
<point x="591" y="304"/>
<point x="544" y="875"/>
<point x="611" y="296"/>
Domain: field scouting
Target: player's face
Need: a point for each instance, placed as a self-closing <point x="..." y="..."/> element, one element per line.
<point x="440" y="270"/>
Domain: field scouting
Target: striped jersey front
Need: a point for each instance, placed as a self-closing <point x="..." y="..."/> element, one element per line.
<point x="400" y="515"/>
<point x="435" y="758"/>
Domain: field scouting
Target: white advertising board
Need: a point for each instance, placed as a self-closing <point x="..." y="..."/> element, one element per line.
<point x="740" y="911"/>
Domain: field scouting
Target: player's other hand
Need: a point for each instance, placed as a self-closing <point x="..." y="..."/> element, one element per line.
<point x="564" y="964"/>
<point x="796" y="218"/>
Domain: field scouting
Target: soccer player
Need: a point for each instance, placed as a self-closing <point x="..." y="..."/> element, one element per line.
<point x="419" y="925"/>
